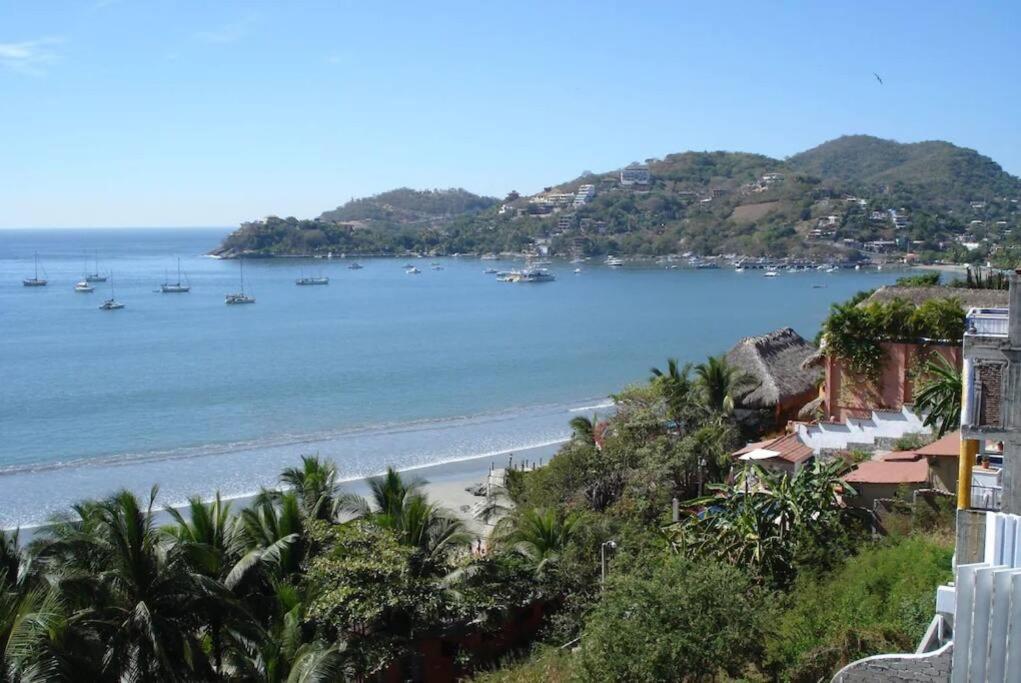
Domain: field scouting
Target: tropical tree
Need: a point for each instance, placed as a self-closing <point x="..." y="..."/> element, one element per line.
<point x="717" y="382"/>
<point x="134" y="595"/>
<point x="768" y="522"/>
<point x="940" y="395"/>
<point x="675" y="387"/>
<point x="315" y="484"/>
<point x="583" y="429"/>
<point x="284" y="655"/>
<point x="31" y="613"/>
<point x="273" y="534"/>
<point x="540" y="535"/>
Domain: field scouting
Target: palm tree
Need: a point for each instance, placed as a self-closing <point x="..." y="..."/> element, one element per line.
<point x="940" y="396"/>
<point x="717" y="382"/>
<point x="390" y="491"/>
<point x="539" y="535"/>
<point x="583" y="429"/>
<point x="30" y="614"/>
<point x="400" y="507"/>
<point x="315" y="483"/>
<point x="675" y="387"/>
<point x="272" y="532"/>
<point x="284" y="656"/>
<point x="137" y="597"/>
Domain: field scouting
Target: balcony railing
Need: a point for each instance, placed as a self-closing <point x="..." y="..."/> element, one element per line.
<point x="986" y="322"/>
<point x="986" y="497"/>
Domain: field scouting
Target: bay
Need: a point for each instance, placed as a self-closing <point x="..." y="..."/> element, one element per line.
<point x="377" y="368"/>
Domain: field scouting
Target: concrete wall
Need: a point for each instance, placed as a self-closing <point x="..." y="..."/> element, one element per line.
<point x="849" y="396"/>
<point x="971" y="537"/>
<point x="931" y="666"/>
<point x="868" y="494"/>
<point x="943" y="473"/>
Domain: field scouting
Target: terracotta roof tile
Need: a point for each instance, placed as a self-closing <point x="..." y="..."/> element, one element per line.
<point x="890" y="472"/>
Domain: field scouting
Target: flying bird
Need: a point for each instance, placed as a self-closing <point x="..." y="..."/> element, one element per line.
<point x="877" y="77"/>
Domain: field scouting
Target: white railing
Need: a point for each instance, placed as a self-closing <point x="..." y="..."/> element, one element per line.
<point x="986" y="322"/>
<point x="987" y="608"/>
<point x="986" y="497"/>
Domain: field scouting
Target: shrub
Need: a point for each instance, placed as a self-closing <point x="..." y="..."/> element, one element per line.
<point x="880" y="601"/>
<point x="672" y="619"/>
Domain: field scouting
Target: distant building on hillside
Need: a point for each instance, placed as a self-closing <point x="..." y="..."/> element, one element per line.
<point x="635" y="174"/>
<point x="584" y="195"/>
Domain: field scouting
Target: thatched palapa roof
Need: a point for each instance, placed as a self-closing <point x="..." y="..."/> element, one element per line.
<point x="774" y="362"/>
<point x="968" y="298"/>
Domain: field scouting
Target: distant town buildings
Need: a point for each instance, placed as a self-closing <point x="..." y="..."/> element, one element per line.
<point x="635" y="174"/>
<point x="584" y="195"/>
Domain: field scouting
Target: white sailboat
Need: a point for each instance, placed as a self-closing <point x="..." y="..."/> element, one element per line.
<point x="111" y="304"/>
<point x="95" y="276"/>
<point x="168" y="287"/>
<point x="240" y="297"/>
<point x="35" y="280"/>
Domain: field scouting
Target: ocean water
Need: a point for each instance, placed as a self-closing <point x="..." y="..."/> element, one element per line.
<point x="380" y="367"/>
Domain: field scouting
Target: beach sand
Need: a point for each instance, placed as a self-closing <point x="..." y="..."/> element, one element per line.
<point x="445" y="484"/>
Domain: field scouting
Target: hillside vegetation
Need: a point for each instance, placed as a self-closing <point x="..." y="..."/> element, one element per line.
<point x="845" y="198"/>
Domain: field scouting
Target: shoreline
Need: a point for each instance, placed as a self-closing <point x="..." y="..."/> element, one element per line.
<point x="442" y="482"/>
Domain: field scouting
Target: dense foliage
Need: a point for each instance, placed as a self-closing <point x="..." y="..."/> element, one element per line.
<point x="673" y="619"/>
<point x="855" y="331"/>
<point x="879" y="601"/>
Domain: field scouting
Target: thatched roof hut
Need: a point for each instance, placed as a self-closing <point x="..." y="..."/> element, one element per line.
<point x="780" y="378"/>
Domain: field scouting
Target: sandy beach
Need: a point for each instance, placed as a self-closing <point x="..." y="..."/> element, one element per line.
<point x="445" y="484"/>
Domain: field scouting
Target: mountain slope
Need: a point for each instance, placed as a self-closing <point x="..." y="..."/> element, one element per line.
<point x="405" y="205"/>
<point x="939" y="169"/>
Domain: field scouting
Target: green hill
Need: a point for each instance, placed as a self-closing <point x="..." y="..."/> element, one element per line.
<point x="405" y="205"/>
<point x="834" y="201"/>
<point x="939" y="172"/>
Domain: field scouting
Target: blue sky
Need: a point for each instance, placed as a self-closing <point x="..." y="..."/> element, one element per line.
<point x="132" y="113"/>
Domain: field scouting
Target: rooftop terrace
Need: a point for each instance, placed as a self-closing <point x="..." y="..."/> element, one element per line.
<point x="986" y="322"/>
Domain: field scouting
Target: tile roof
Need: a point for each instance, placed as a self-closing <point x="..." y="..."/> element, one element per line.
<point x="890" y="472"/>
<point x="788" y="446"/>
<point x="948" y="446"/>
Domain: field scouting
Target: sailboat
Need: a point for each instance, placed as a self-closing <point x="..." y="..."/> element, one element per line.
<point x="175" y="287"/>
<point x="94" y="276"/>
<point x="35" y="280"/>
<point x="240" y="297"/>
<point x="111" y="304"/>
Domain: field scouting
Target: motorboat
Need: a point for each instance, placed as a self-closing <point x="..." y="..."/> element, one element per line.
<point x="490" y="271"/>
<point x="614" y="262"/>
<point x="84" y="287"/>
<point x="770" y="273"/>
<point x="355" y="266"/>
<point x="530" y="275"/>
<point x="111" y="305"/>
<point x="414" y="271"/>
<point x="320" y="280"/>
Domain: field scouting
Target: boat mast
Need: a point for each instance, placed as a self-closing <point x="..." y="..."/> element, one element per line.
<point x="36" y="266"/>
